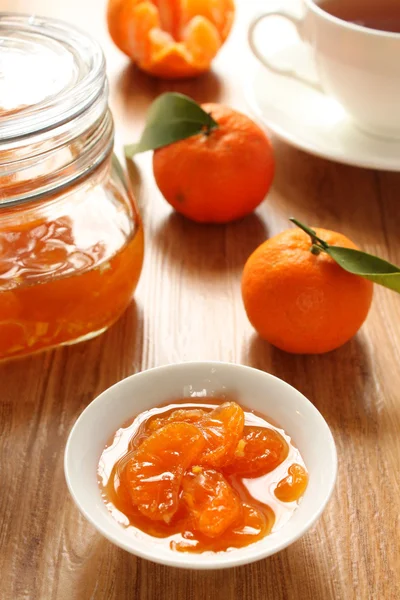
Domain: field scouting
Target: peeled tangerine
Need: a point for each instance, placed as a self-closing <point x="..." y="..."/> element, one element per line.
<point x="170" y="38"/>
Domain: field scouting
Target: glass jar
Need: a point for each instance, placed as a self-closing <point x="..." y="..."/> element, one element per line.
<point x="71" y="241"/>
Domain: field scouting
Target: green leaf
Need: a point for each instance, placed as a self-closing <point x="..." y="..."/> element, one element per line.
<point x="171" y="117"/>
<point x="371" y="267"/>
<point x="355" y="261"/>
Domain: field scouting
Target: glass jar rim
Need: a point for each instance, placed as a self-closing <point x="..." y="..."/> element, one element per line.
<point x="55" y="125"/>
<point x="84" y="73"/>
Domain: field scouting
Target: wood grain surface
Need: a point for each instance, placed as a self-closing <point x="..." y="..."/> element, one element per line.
<point x="47" y="550"/>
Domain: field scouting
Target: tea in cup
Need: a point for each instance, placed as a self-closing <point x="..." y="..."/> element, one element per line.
<point x="356" y="48"/>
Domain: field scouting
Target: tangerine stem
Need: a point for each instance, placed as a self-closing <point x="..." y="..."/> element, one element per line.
<point x="315" y="249"/>
<point x="207" y="129"/>
<point x="316" y="241"/>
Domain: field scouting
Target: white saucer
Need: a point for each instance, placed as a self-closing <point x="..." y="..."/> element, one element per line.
<point x="310" y="120"/>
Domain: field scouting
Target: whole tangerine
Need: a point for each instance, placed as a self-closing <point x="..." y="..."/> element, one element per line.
<point x="170" y="38"/>
<point x="303" y="302"/>
<point x="219" y="175"/>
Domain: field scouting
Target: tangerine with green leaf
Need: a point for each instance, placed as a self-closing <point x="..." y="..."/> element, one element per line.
<point x="298" y="298"/>
<point x="220" y="174"/>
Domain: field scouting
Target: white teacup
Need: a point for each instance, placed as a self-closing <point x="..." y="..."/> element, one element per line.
<point x="356" y="65"/>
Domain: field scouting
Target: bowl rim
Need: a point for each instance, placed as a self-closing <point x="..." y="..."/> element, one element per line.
<point x="195" y="561"/>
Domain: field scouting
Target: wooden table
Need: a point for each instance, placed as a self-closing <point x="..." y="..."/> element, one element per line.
<point x="48" y="551"/>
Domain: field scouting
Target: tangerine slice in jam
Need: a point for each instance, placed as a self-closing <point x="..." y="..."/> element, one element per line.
<point x="293" y="486"/>
<point x="258" y="452"/>
<point x="212" y="504"/>
<point x="154" y="472"/>
<point x="222" y="429"/>
<point x="189" y="415"/>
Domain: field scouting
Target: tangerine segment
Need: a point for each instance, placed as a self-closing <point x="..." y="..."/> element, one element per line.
<point x="182" y="415"/>
<point x="202" y="42"/>
<point x="292" y="487"/>
<point x="258" y="452"/>
<point x="170" y="38"/>
<point x="154" y="473"/>
<point x="217" y="12"/>
<point x="222" y="429"/>
<point x="213" y="505"/>
<point x="254" y="524"/>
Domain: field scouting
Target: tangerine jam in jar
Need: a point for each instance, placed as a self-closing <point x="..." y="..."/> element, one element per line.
<point x="71" y="242"/>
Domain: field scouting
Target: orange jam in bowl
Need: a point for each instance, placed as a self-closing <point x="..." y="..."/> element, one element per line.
<point x="201" y="477"/>
<point x="71" y="242"/>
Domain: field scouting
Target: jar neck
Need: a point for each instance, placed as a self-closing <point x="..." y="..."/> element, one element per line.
<point x="46" y="167"/>
<point x="53" y="137"/>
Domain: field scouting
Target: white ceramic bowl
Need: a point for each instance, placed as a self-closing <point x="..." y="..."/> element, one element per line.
<point x="258" y="390"/>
